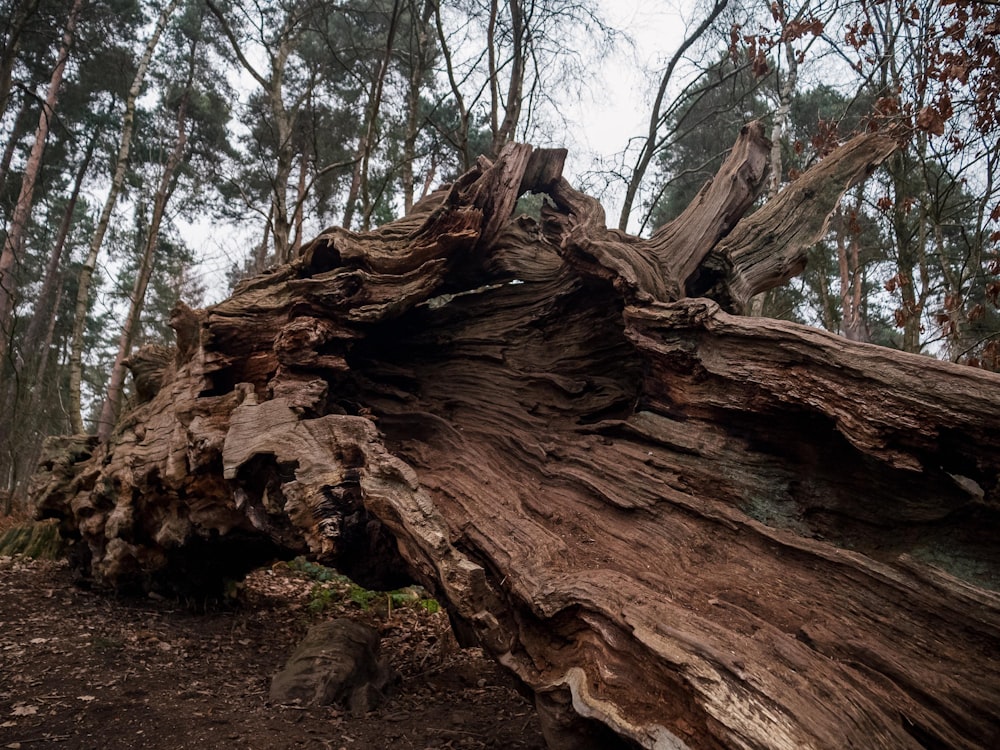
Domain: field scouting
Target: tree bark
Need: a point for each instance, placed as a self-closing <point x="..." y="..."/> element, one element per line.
<point x="117" y="180"/>
<point x="164" y="190"/>
<point x="503" y="129"/>
<point x="284" y="125"/>
<point x="848" y="261"/>
<point x="45" y="308"/>
<point x="419" y="54"/>
<point x="366" y="141"/>
<point x="677" y="526"/>
<point x="10" y="256"/>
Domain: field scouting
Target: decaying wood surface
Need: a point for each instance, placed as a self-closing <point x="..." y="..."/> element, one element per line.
<point x="679" y="527"/>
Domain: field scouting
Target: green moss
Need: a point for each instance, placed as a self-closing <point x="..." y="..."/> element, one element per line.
<point x="778" y="513"/>
<point x="320" y="598"/>
<point x="38" y="540"/>
<point x="951" y="560"/>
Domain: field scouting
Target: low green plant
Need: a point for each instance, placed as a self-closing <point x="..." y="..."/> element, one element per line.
<point x="431" y="605"/>
<point x="408" y="596"/>
<point x="332" y="587"/>
<point x="361" y="596"/>
<point x="316" y="571"/>
<point x="320" y="598"/>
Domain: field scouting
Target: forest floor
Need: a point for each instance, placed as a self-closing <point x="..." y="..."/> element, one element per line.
<point x="84" y="669"/>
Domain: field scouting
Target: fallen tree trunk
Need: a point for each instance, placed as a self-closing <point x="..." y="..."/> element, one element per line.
<point x="677" y="526"/>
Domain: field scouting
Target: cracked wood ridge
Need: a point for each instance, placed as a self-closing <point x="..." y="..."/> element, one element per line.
<point x="679" y="527"/>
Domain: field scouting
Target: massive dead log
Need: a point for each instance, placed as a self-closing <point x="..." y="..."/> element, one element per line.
<point x="679" y="528"/>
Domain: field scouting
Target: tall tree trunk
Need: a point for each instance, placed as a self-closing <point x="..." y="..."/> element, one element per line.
<point x="45" y="309"/>
<point x="827" y="304"/>
<point x="779" y="126"/>
<point x="281" y="221"/>
<point x="117" y="180"/>
<point x="911" y="256"/>
<point x="651" y="143"/>
<point x="460" y="139"/>
<point x="43" y="421"/>
<point x="20" y="424"/>
<point x="421" y="14"/>
<point x="300" y="200"/>
<point x="410" y="133"/>
<point x="503" y="130"/>
<point x="45" y="356"/>
<point x="15" y="137"/>
<point x="492" y="69"/>
<point x="786" y="88"/>
<point x="12" y="247"/>
<point x="851" y="283"/>
<point x="23" y="423"/>
<point x="429" y="177"/>
<point x="164" y="190"/>
<point x="953" y="318"/>
<point x="889" y="21"/>
<point x="359" y="178"/>
<point x="260" y="257"/>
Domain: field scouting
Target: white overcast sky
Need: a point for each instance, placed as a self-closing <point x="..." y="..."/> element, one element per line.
<point x="618" y="107"/>
<point x="600" y="124"/>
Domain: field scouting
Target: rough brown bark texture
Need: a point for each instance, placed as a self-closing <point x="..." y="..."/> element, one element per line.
<point x="679" y="527"/>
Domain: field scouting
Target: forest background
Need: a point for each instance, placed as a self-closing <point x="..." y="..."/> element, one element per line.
<point x="162" y="151"/>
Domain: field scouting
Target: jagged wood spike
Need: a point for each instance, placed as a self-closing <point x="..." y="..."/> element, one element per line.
<point x="679" y="528"/>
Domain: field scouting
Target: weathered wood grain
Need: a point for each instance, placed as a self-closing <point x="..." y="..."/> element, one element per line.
<point x="680" y="528"/>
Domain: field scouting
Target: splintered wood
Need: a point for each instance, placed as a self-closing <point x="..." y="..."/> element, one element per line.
<point x="680" y="528"/>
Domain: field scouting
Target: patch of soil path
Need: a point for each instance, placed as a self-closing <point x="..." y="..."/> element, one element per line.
<point x="81" y="669"/>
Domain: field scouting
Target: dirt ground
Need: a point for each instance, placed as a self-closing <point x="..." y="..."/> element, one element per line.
<point x="82" y="669"/>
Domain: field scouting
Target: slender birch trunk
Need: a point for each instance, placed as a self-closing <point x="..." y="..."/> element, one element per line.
<point x="11" y="145"/>
<point x="10" y="256"/>
<point x="45" y="309"/>
<point x="780" y="124"/>
<point x="359" y="180"/>
<point x="419" y="36"/>
<point x="786" y="89"/>
<point x="165" y="189"/>
<point x="87" y="272"/>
